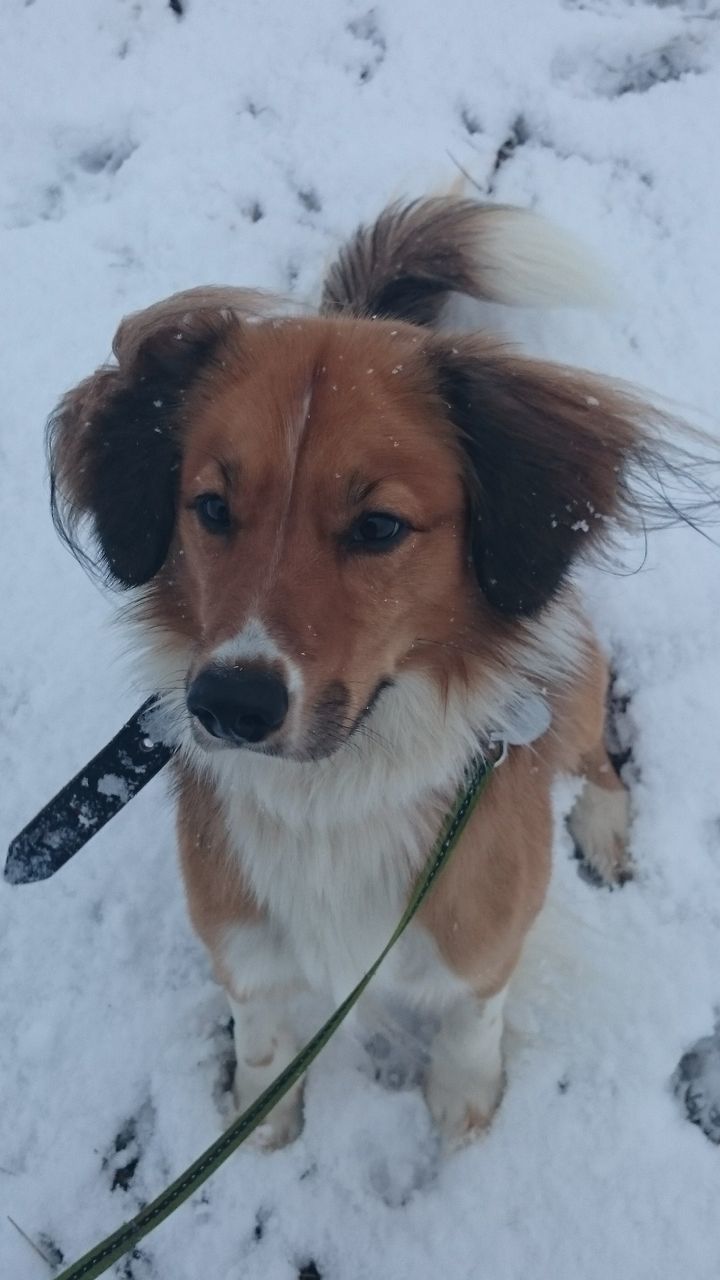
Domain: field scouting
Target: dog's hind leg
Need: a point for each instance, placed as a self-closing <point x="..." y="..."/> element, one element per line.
<point x="600" y="819"/>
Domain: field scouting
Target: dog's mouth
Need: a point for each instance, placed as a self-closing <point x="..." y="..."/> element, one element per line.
<point x="331" y="729"/>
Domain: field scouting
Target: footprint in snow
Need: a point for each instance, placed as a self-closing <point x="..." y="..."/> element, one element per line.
<point x="613" y="73"/>
<point x="83" y="171"/>
<point x="397" y="1041"/>
<point x="696" y="1083"/>
<point x="367" y="31"/>
<point x="128" y="1146"/>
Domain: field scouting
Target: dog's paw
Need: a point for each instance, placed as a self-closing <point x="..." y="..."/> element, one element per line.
<point x="599" y="824"/>
<point x="696" y="1082"/>
<point x="462" y="1114"/>
<point x="264" y="1048"/>
<point x="282" y="1126"/>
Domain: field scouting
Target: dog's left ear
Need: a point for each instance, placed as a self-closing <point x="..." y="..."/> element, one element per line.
<point x="114" y="442"/>
<point x="546" y="455"/>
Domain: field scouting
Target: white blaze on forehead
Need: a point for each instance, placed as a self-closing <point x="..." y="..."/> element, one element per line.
<point x="297" y="415"/>
<point x="254" y="643"/>
<point x="297" y="421"/>
<point x="304" y="411"/>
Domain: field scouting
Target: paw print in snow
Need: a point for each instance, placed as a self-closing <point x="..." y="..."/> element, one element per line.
<point x="614" y="72"/>
<point x="696" y="1082"/>
<point x="367" y="29"/>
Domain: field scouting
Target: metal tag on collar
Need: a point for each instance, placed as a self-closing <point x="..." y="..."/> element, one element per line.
<point x="499" y="748"/>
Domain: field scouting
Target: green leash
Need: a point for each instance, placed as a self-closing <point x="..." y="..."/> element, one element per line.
<point x="103" y="1255"/>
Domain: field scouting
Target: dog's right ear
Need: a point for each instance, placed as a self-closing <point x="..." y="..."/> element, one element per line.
<point x="114" y="442"/>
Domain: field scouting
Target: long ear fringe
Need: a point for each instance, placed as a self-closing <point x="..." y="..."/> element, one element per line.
<point x="674" y="478"/>
<point x="161" y="347"/>
<point x="558" y="461"/>
<point x="672" y="473"/>
<point x="65" y="438"/>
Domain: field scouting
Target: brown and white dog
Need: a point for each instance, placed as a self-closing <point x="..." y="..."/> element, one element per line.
<point x="350" y="538"/>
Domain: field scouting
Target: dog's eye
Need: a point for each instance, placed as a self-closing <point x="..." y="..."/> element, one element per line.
<point x="376" y="531"/>
<point x="213" y="512"/>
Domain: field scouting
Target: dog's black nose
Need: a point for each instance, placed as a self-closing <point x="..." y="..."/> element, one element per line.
<point x="238" y="705"/>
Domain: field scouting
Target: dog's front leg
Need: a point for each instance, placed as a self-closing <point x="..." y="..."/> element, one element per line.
<point x="264" y="1046"/>
<point x="465" y="1078"/>
<point x="251" y="953"/>
<point x="261" y="978"/>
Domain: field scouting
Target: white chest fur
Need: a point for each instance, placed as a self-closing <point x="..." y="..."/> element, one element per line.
<point x="333" y="893"/>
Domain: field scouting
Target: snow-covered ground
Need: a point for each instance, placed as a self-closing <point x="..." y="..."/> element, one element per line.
<point x="144" y="150"/>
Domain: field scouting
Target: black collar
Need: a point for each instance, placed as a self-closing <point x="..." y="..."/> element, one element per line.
<point x="90" y="799"/>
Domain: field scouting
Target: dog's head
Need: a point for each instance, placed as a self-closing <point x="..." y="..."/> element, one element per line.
<point x="314" y="507"/>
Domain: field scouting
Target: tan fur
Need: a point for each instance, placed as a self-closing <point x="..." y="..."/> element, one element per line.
<point x="495" y="883"/>
<point x="216" y="895"/>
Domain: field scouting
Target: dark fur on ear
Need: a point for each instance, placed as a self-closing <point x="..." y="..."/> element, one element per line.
<point x="114" y="441"/>
<point x="556" y="458"/>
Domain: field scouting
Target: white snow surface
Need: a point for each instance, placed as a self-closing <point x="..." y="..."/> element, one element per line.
<point x="141" y="153"/>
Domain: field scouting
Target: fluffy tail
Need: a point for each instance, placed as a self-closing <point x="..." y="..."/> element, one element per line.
<point x="407" y="264"/>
